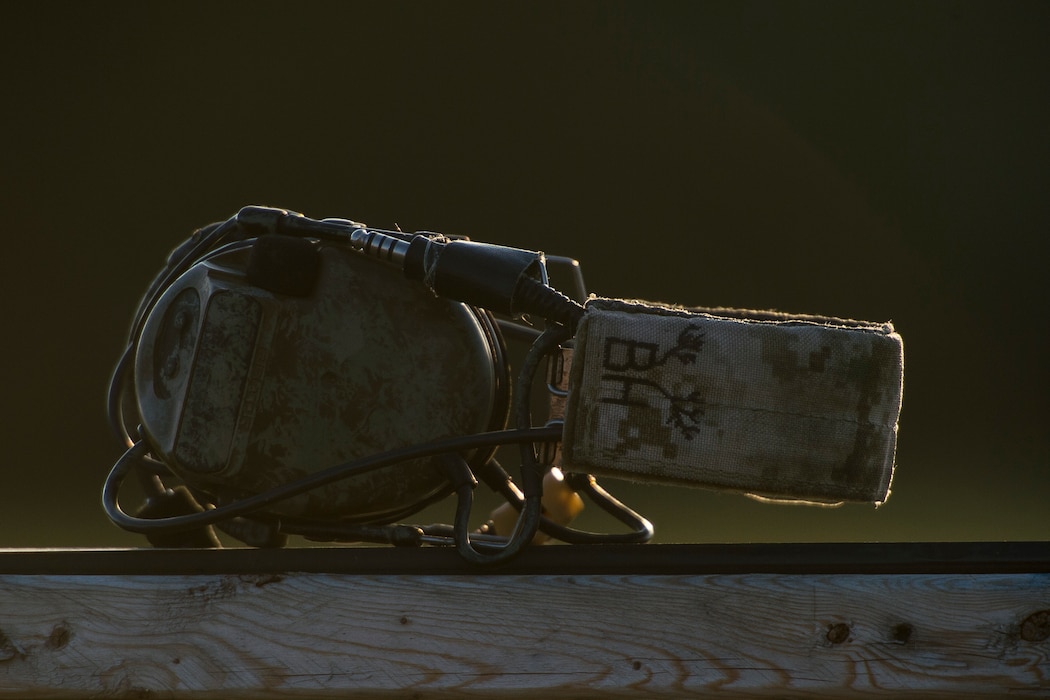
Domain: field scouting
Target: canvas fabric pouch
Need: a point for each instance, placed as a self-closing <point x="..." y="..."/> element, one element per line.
<point x="800" y="408"/>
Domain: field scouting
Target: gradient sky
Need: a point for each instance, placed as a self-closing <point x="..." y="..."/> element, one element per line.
<point x="884" y="161"/>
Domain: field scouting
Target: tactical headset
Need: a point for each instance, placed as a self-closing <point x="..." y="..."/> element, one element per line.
<point x="286" y="375"/>
<point x="275" y="355"/>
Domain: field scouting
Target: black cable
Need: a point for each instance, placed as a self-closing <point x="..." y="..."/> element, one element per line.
<point x="531" y="511"/>
<point x="517" y="331"/>
<point x="486" y="553"/>
<point x="641" y="529"/>
<point x="531" y="296"/>
<point x="534" y="297"/>
<point x="496" y="478"/>
<point x="111" y="487"/>
<point x="549" y="341"/>
<point x="529" y="504"/>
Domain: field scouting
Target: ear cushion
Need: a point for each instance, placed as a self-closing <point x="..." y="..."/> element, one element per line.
<point x="284" y="265"/>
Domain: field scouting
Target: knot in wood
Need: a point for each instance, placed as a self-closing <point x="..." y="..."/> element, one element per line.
<point x="901" y="633"/>
<point x="1036" y="627"/>
<point x="59" y="637"/>
<point x="838" y="632"/>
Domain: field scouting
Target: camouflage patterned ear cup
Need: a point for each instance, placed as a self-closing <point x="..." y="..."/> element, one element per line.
<point x="242" y="389"/>
<point x="799" y="408"/>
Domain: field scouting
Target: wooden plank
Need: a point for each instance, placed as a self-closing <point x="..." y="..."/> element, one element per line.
<point x="271" y="635"/>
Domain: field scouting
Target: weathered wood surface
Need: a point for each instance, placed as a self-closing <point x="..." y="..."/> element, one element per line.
<point x="269" y="635"/>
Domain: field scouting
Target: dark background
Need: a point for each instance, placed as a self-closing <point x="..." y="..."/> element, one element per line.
<point x="885" y="161"/>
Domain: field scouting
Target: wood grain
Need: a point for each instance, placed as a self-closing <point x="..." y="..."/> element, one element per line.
<point x="337" y="635"/>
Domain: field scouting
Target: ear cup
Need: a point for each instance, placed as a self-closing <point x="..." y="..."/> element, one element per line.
<point x="259" y="382"/>
<point x="284" y="265"/>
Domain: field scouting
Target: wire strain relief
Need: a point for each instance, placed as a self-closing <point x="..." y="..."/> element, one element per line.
<point x="534" y="297"/>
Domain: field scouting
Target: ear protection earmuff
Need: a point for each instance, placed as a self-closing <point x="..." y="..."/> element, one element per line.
<point x="293" y="380"/>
